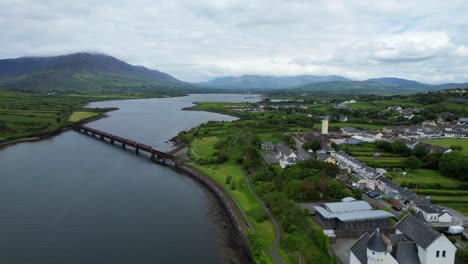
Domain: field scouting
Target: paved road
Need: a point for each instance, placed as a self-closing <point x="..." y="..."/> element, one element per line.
<point x="274" y="249"/>
<point x="302" y="153"/>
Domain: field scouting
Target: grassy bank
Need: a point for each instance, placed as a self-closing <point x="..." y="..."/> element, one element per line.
<point x="32" y="114"/>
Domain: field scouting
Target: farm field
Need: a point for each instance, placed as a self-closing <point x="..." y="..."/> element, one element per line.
<point x="447" y="142"/>
<point x="443" y="190"/>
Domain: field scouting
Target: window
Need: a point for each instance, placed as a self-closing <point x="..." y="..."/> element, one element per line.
<point x="443" y="254"/>
<point x="437" y="253"/>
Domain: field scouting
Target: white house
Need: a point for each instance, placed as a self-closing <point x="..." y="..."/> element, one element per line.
<point x="433" y="213"/>
<point x="413" y="242"/>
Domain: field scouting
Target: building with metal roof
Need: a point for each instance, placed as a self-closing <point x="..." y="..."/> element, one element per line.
<point x="351" y="215"/>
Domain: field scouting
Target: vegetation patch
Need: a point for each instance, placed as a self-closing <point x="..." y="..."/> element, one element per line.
<point x="78" y="116"/>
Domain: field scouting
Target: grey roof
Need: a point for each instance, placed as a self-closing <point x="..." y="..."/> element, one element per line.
<point x="359" y="249"/>
<point x="322" y="156"/>
<point x="376" y="242"/>
<point x="267" y="143"/>
<point x="350" y="211"/>
<point x="418" y="231"/>
<point x="396" y="238"/>
<point x="350" y="129"/>
<point x="420" y="216"/>
<point x="407" y="253"/>
<point x="284" y="149"/>
<point x="339" y="207"/>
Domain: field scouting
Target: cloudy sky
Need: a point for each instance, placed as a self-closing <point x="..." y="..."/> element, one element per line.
<point x="199" y="40"/>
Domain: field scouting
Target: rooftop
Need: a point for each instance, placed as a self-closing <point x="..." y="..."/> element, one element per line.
<point x="417" y="231"/>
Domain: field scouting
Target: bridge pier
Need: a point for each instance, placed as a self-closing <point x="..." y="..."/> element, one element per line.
<point x="123" y="145"/>
<point x="102" y="137"/>
<point x="112" y="141"/>
<point x="153" y="157"/>
<point x="93" y="134"/>
<point x="137" y="151"/>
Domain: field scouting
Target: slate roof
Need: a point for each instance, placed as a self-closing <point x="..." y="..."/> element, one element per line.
<point x="417" y="231"/>
<point x="420" y="216"/>
<point x="267" y="144"/>
<point x="376" y="242"/>
<point x="359" y="249"/>
<point x="407" y="253"/>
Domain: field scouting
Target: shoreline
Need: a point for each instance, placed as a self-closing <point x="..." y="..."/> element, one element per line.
<point x="56" y="132"/>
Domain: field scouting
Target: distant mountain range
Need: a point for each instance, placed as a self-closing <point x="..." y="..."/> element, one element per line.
<point x="332" y="84"/>
<point x="85" y="72"/>
<point x="268" y="82"/>
<point x="99" y="73"/>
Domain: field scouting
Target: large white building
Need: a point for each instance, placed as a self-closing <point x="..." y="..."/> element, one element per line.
<point x="413" y="242"/>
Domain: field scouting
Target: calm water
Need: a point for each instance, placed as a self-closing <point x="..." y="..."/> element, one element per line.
<point x="72" y="199"/>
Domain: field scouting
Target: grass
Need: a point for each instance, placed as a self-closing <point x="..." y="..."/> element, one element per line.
<point x="447" y="142"/>
<point x="219" y="172"/>
<point x="33" y="114"/>
<point x="78" y="116"/>
<point x="337" y="126"/>
<point x="424" y="177"/>
<point x="443" y="190"/>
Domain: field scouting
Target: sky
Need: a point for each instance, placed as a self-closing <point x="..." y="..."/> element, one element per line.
<point x="199" y="40"/>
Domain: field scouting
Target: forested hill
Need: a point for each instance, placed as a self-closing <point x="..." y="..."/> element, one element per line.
<point x="85" y="72"/>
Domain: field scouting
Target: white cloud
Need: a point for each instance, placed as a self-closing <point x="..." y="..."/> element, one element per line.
<point x="197" y="40"/>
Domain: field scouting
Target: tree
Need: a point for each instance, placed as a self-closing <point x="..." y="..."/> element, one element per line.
<point x="313" y="145"/>
<point x="399" y="147"/>
<point x="454" y="164"/>
<point x="420" y="151"/>
<point x="413" y="163"/>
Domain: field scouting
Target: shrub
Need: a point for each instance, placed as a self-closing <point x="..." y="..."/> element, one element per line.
<point x="228" y="179"/>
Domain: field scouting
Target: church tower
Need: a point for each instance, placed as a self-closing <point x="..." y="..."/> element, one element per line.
<point x="376" y="249"/>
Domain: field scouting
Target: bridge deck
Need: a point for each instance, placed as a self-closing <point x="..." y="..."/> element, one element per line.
<point x="124" y="142"/>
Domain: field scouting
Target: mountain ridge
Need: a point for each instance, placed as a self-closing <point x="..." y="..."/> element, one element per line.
<point x="84" y="72"/>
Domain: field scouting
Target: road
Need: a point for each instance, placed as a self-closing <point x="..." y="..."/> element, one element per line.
<point x="302" y="153"/>
<point x="274" y="248"/>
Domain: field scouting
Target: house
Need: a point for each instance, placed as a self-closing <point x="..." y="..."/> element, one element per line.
<point x="433" y="214"/>
<point x="394" y="108"/>
<point x="432" y="247"/>
<point x="350" y="131"/>
<point x="351" y="215"/>
<point x="352" y="141"/>
<point x="413" y="242"/>
<point x="322" y="156"/>
<point x="463" y="120"/>
<point x="375" y="135"/>
<point x="267" y="145"/>
<point x="286" y="155"/>
<point x="353" y="165"/>
<point x="428" y="123"/>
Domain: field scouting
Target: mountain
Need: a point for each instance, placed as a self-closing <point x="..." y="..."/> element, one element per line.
<point x="85" y="72"/>
<point x="381" y="86"/>
<point x="393" y="81"/>
<point x="267" y="82"/>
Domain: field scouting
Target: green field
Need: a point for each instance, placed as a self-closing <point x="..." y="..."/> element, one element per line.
<point x="337" y="126"/>
<point x="443" y="190"/>
<point x="34" y="114"/>
<point x="78" y="116"/>
<point x="447" y="142"/>
<point x="423" y="177"/>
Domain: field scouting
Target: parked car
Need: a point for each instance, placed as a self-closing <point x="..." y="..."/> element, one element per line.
<point x="378" y="197"/>
<point x="396" y="208"/>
